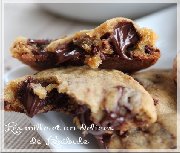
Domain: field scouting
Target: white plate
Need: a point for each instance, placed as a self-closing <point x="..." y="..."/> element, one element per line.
<point x="101" y="12"/>
<point x="164" y="23"/>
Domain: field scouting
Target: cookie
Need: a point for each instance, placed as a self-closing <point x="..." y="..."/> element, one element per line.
<point x="101" y="97"/>
<point x="163" y="133"/>
<point x="175" y="70"/>
<point x="159" y="83"/>
<point x="118" y="44"/>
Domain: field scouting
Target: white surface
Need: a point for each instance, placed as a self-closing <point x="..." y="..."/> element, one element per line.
<point x="164" y="23"/>
<point x="101" y="12"/>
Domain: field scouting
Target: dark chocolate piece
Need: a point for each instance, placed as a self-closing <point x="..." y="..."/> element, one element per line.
<point x="148" y="49"/>
<point x="65" y="54"/>
<point x="31" y="102"/>
<point x="124" y="38"/>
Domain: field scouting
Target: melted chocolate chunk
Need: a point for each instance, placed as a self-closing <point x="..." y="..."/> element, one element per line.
<point x="149" y="49"/>
<point x="31" y="102"/>
<point x="69" y="54"/>
<point x="125" y="37"/>
<point x="123" y="40"/>
<point x="65" y="54"/>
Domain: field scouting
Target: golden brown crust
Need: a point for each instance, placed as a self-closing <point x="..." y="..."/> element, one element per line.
<point x="86" y="40"/>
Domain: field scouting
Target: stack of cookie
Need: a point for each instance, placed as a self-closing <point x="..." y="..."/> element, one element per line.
<point x="84" y="75"/>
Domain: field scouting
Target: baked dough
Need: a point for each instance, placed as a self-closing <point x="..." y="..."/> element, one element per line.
<point x="117" y="43"/>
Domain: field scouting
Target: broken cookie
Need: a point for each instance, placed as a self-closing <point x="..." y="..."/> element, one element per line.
<point x="104" y="98"/>
<point x="116" y="44"/>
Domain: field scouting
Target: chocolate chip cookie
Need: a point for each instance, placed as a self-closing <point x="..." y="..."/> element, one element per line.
<point x="175" y="70"/>
<point x="159" y="135"/>
<point x="102" y="97"/>
<point x="118" y="44"/>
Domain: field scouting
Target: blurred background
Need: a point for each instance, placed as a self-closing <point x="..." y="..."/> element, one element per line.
<point x="48" y="20"/>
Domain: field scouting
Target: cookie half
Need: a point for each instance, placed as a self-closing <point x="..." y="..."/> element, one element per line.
<point x="104" y="98"/>
<point x="159" y="135"/>
<point x="118" y="44"/>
